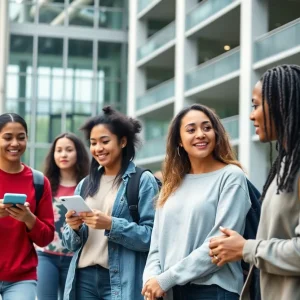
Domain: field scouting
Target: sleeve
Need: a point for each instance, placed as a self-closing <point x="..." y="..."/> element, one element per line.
<point x="42" y="232"/>
<point x="153" y="267"/>
<point x="130" y="234"/>
<point x="232" y="209"/>
<point x="73" y="240"/>
<point x="276" y="256"/>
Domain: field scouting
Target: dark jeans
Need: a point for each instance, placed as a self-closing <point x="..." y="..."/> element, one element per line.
<point x="93" y="283"/>
<point x="52" y="272"/>
<point x="202" y="292"/>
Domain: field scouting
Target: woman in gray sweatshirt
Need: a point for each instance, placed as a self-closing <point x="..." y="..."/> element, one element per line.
<point x="276" y="250"/>
<point x="204" y="187"/>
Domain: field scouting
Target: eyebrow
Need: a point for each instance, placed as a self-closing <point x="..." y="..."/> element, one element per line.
<point x="8" y="133"/>
<point x="193" y="124"/>
<point x="101" y="137"/>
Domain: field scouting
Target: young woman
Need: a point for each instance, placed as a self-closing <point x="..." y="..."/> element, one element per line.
<point x="23" y="225"/>
<point x="65" y="165"/>
<point x="204" y="187"/>
<point x="110" y="249"/>
<point x="276" y="251"/>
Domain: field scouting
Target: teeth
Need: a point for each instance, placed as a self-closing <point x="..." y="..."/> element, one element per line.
<point x="201" y="144"/>
<point x="13" y="151"/>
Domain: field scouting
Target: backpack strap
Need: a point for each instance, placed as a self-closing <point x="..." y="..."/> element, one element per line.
<point x="38" y="182"/>
<point x="132" y="193"/>
<point x="83" y="188"/>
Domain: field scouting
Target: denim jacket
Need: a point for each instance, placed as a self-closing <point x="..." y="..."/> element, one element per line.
<point x="128" y="242"/>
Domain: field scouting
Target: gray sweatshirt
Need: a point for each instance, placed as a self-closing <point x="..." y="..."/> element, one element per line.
<point x="276" y="251"/>
<point x="179" y="251"/>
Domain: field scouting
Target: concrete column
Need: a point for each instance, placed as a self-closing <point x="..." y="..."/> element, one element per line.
<point x="136" y="76"/>
<point x="4" y="42"/>
<point x="254" y="22"/>
<point x="185" y="52"/>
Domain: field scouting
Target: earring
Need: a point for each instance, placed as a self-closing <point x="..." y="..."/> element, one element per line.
<point x="178" y="151"/>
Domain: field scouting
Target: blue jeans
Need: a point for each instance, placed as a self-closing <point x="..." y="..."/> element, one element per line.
<point x="93" y="283"/>
<point x="21" y="290"/>
<point x="52" y="272"/>
<point x="202" y="292"/>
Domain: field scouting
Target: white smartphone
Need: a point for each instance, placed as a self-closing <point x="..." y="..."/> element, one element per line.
<point x="75" y="203"/>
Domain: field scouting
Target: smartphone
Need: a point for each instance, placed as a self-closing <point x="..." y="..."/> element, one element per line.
<point x="10" y="198"/>
<point x="75" y="203"/>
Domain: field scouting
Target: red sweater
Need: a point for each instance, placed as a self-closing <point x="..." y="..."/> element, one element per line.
<point x="18" y="259"/>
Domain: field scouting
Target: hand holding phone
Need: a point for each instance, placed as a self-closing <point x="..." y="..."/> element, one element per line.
<point x="73" y="221"/>
<point x="3" y="207"/>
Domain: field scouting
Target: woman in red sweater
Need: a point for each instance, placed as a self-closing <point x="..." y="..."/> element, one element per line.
<point x="23" y="225"/>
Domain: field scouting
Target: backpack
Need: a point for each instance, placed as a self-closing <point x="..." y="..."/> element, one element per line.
<point x="252" y="221"/>
<point x="132" y="191"/>
<point x="38" y="183"/>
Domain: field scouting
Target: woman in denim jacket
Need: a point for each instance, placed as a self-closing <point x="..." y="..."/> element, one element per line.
<point x="110" y="250"/>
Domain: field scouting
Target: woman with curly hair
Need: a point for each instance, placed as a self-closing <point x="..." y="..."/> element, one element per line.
<point x="110" y="248"/>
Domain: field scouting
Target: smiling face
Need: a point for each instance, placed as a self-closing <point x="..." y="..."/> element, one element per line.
<point x="257" y="116"/>
<point x="106" y="148"/>
<point x="13" y="142"/>
<point x="197" y="135"/>
<point x="65" y="155"/>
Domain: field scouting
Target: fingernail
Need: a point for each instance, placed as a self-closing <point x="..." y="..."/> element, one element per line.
<point x="221" y="227"/>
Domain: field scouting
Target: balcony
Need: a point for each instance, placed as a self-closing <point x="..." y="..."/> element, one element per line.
<point x="142" y="4"/>
<point x="157" y="41"/>
<point x="152" y="148"/>
<point x="231" y="125"/>
<point x="205" y="10"/>
<point x="279" y="40"/>
<point x="213" y="69"/>
<point x="157" y="94"/>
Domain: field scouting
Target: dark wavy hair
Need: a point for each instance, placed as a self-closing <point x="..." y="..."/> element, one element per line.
<point x="121" y="126"/>
<point x="12" y="118"/>
<point x="52" y="171"/>
<point x="281" y="91"/>
<point x="177" y="163"/>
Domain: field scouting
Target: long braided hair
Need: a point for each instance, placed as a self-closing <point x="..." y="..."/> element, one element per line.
<point x="281" y="91"/>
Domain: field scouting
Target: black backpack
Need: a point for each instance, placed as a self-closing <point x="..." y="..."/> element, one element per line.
<point x="132" y="191"/>
<point x="38" y="183"/>
<point x="252" y="221"/>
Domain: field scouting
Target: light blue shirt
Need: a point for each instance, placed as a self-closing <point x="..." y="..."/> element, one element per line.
<point x="179" y="251"/>
<point x="128" y="242"/>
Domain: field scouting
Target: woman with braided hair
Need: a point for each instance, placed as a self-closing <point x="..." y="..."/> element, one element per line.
<point x="276" y="250"/>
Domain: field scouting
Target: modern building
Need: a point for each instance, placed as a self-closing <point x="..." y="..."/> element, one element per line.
<point x="61" y="61"/>
<point x="210" y="52"/>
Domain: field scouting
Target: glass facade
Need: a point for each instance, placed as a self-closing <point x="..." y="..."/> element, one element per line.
<point x="56" y="81"/>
